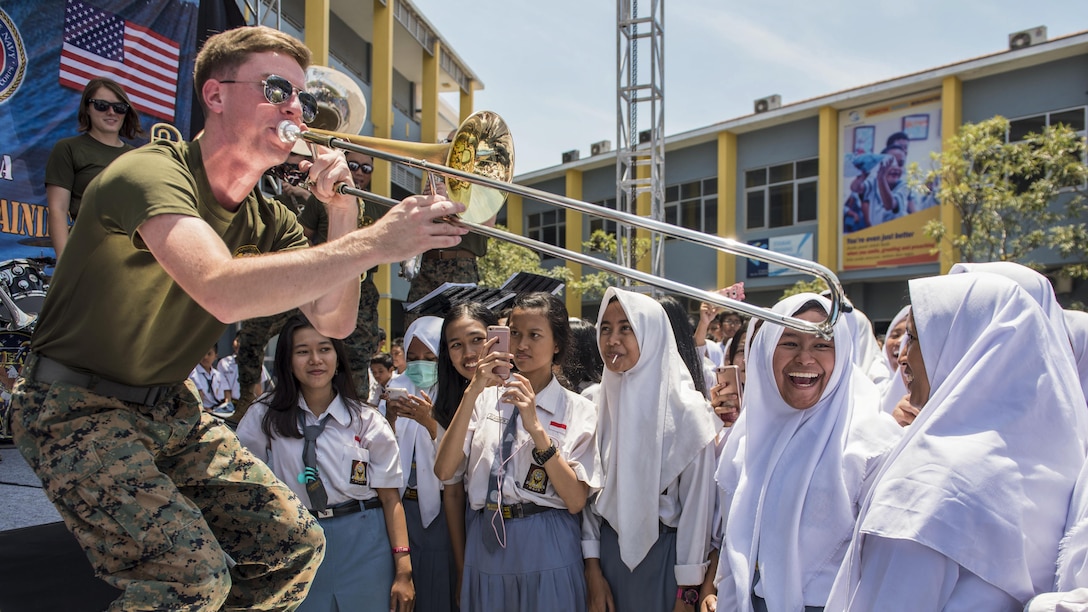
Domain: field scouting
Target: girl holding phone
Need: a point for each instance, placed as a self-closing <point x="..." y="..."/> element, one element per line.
<point x="527" y="449"/>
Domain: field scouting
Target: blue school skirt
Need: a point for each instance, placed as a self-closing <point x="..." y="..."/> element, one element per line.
<point x="540" y="569"/>
<point x="357" y="573"/>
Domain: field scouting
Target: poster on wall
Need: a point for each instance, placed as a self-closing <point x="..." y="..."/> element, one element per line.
<point x="882" y="217"/>
<point x="795" y="245"/>
<point x="50" y="49"/>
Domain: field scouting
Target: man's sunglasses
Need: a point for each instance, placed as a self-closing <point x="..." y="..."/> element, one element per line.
<point x="278" y="90"/>
<point x="102" y="106"/>
<point x="355" y="166"/>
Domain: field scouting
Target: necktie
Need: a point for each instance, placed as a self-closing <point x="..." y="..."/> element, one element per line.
<point x="494" y="496"/>
<point x="315" y="489"/>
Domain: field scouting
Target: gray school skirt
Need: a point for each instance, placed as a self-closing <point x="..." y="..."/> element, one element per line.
<point x="357" y="573"/>
<point x="540" y="569"/>
<point x="434" y="570"/>
<point x="652" y="585"/>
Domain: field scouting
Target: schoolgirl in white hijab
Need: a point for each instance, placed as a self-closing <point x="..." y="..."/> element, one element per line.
<point x="894" y="388"/>
<point x="792" y="476"/>
<point x="656" y="436"/>
<point x="431" y="550"/>
<point x="968" y="508"/>
<point x="867" y="354"/>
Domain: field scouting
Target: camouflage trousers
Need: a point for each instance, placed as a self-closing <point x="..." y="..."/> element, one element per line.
<point x="433" y="272"/>
<point x="166" y="503"/>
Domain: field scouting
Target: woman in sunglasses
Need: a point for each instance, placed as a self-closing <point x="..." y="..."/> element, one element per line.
<point x="105" y="117"/>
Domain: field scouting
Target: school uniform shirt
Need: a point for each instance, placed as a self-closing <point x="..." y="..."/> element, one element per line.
<point x="209" y="384"/>
<point x="355" y="456"/>
<point x="984" y="477"/>
<point x="570" y="421"/>
<point x="712" y="351"/>
<point x="228" y="371"/>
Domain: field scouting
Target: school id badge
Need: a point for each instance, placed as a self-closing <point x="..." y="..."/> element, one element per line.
<point x="536" y="480"/>
<point x="358" y="472"/>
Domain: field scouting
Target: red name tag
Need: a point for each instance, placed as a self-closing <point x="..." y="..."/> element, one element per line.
<point x="559" y="425"/>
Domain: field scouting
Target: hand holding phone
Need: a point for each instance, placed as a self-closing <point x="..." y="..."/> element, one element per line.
<point x="502" y="345"/>
<point x="396" y="394"/>
<point x="728" y="378"/>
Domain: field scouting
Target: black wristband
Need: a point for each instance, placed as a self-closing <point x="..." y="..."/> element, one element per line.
<point x="542" y="457"/>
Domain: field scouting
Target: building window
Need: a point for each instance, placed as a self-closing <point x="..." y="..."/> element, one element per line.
<point x="1020" y="128"/>
<point x="782" y="195"/>
<point x="549" y="227"/>
<point x="596" y="223"/>
<point x="693" y="205"/>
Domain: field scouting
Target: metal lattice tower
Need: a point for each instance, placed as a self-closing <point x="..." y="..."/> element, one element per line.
<point x="640" y="78"/>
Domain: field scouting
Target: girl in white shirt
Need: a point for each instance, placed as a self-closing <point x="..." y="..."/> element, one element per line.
<point x="527" y="450"/>
<point x="366" y="556"/>
<point x="648" y="532"/>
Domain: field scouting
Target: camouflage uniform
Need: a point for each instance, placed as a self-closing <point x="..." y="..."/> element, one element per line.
<point x="433" y="272"/>
<point x="363" y="342"/>
<point x="252" y="338"/>
<point x="167" y="501"/>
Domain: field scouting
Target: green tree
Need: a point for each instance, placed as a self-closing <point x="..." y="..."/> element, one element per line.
<point x="1005" y="192"/>
<point x="592" y="286"/>
<point x="504" y="259"/>
<point x="816" y="285"/>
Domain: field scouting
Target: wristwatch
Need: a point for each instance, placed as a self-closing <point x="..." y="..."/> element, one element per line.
<point x="689" y="595"/>
<point x="541" y="457"/>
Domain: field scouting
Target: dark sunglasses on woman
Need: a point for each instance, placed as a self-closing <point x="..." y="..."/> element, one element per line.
<point x="102" y="106"/>
<point x="278" y="90"/>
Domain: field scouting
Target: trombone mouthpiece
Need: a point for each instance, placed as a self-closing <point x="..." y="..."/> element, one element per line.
<point x="287" y="131"/>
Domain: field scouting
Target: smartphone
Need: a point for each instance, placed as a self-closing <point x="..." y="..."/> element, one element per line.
<point x="396" y="393"/>
<point x="501" y="332"/>
<point x="729" y="376"/>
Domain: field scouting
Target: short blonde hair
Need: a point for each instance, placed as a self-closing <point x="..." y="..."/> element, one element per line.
<point x="223" y="53"/>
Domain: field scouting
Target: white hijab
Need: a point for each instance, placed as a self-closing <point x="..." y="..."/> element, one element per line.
<point x="653" y="423"/>
<point x="867" y="354"/>
<point x="413" y="438"/>
<point x="1076" y="325"/>
<point x="1036" y="285"/>
<point x="793" y="490"/>
<point x="1073" y="552"/>
<point x="985" y="473"/>
<point x="894" y="389"/>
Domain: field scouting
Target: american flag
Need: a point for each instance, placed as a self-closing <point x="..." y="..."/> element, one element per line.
<point x="98" y="43"/>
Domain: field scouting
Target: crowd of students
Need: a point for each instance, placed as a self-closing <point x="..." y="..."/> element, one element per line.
<point x="626" y="479"/>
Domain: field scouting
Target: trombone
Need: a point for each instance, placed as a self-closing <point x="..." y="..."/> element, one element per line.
<point x="479" y="164"/>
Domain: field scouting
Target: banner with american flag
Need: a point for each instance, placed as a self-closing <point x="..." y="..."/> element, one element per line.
<point x="98" y="43"/>
<point x="49" y="49"/>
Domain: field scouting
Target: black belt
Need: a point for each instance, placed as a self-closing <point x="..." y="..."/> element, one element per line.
<point x="410" y="493"/>
<point x="520" y="510"/>
<point x="349" y="507"/>
<point x="47" y="370"/>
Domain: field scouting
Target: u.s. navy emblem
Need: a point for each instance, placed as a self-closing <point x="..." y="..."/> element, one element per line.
<point x="12" y="57"/>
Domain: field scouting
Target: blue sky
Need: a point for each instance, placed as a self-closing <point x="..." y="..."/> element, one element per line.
<point x="549" y="67"/>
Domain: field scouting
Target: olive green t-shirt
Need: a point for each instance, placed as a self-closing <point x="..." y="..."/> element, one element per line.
<point x="111" y="308"/>
<point x="75" y="161"/>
